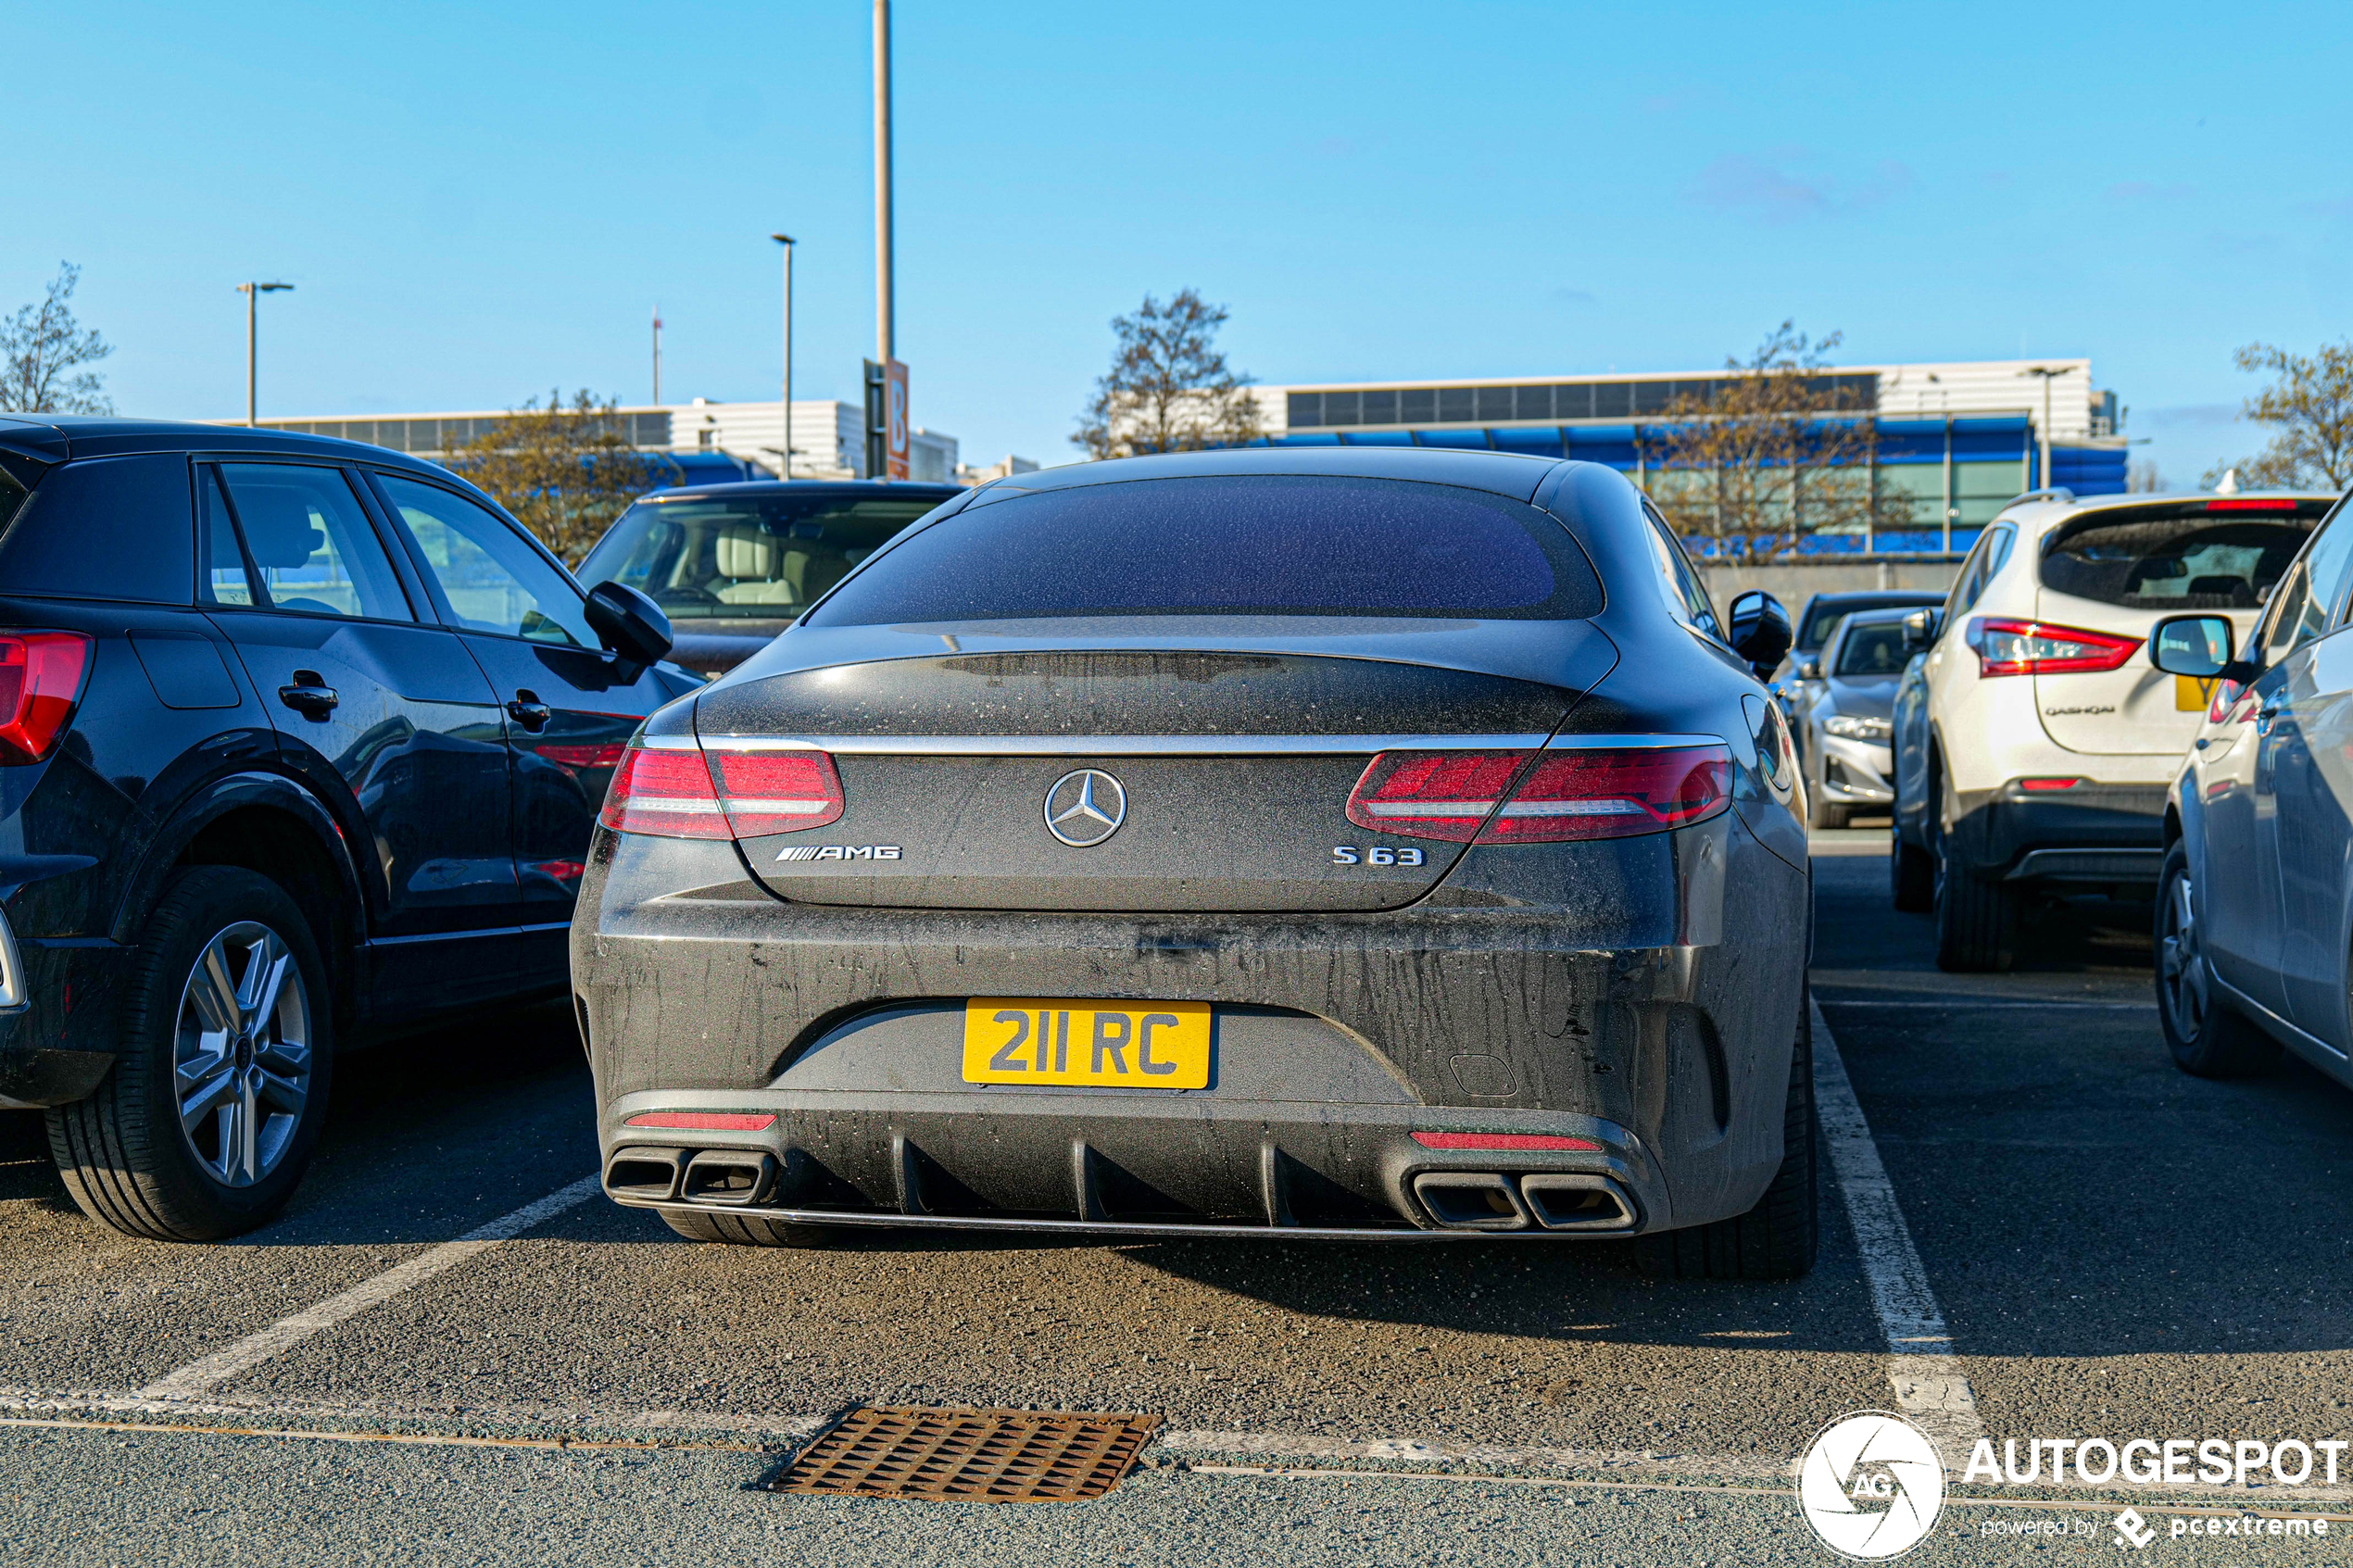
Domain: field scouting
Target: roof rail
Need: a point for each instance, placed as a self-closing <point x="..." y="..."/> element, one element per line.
<point x="2058" y="492"/>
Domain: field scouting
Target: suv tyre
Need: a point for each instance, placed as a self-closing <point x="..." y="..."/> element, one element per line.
<point x="1976" y="920"/>
<point x="213" y="1109"/>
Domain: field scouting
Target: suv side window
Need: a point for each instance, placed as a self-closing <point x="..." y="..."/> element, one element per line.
<point x="306" y="532"/>
<point x="1686" y="596"/>
<point x="490" y="578"/>
<point x="105" y="528"/>
<point x="2297" y="616"/>
<point x="1992" y="549"/>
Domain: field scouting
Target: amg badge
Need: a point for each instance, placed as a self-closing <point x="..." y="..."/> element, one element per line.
<point x="839" y="852"/>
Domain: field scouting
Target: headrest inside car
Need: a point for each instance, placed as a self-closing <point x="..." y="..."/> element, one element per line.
<point x="744" y="552"/>
<point x="278" y="526"/>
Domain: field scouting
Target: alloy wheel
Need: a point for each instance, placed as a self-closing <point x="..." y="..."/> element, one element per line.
<point x="242" y="1054"/>
<point x="2181" y="964"/>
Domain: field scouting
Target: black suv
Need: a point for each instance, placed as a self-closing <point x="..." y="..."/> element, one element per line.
<point x="301" y="743"/>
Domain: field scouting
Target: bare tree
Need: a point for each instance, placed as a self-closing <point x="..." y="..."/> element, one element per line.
<point x="2309" y="405"/>
<point x="43" y="349"/>
<point x="564" y="471"/>
<point x="2141" y="477"/>
<point x="1169" y="389"/>
<point x="1772" y="450"/>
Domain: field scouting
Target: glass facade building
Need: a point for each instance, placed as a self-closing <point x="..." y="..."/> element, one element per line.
<point x="1960" y="441"/>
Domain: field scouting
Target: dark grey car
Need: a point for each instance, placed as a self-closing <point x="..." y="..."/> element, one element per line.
<point x="1322" y="844"/>
<point x="1846" y="728"/>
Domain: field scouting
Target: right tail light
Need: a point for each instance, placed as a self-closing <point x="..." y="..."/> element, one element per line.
<point x="722" y="794"/>
<point x="1506" y="798"/>
<point x="2037" y="648"/>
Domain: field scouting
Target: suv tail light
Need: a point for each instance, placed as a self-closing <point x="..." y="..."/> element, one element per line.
<point x="1600" y="792"/>
<point x="40" y="682"/>
<point x="722" y="794"/>
<point x="2035" y="647"/>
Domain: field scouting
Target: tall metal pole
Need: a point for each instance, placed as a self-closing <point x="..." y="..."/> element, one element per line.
<point x="787" y="240"/>
<point x="885" y="322"/>
<point x="253" y="292"/>
<point x="2048" y="374"/>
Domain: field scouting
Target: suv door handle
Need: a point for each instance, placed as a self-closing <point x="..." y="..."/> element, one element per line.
<point x="311" y="701"/>
<point x="529" y="711"/>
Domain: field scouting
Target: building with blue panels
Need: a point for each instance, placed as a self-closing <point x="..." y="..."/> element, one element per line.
<point x="1961" y="440"/>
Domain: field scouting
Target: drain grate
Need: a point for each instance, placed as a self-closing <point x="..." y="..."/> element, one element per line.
<point x="978" y="1456"/>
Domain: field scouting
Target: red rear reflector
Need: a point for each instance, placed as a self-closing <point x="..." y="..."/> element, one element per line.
<point x="703" y="1121"/>
<point x="2035" y="647"/>
<point x="1505" y="1141"/>
<point x="2253" y="504"/>
<point x="767" y="792"/>
<point x="2045" y="787"/>
<point x="1613" y="792"/>
<point x="39" y="681"/>
<point x="667" y="794"/>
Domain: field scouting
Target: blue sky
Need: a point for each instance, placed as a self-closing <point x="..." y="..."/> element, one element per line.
<point x="477" y="203"/>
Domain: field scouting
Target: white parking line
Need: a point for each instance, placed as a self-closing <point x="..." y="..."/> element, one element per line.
<point x="208" y="1373"/>
<point x="1930" y="1385"/>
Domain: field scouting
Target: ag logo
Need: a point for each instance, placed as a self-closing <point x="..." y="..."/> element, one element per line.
<point x="1871" y="1485"/>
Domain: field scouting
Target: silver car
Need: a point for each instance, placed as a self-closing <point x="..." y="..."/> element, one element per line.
<point x="1850" y="692"/>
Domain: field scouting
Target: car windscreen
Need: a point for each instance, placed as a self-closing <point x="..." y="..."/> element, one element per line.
<point x="2193" y="556"/>
<point x="1213" y="545"/>
<point x="1873" y="652"/>
<point x="745" y="557"/>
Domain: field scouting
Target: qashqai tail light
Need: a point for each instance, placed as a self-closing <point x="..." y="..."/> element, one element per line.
<point x="2036" y="648"/>
<point x="722" y="794"/>
<point x="1543" y="797"/>
<point x="39" y="681"/>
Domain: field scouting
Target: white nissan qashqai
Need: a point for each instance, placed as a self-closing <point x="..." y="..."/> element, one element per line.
<point x="2035" y="741"/>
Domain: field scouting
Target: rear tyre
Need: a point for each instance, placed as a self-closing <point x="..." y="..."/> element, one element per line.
<point x="212" y="1111"/>
<point x="1778" y="1238"/>
<point x="2208" y="1037"/>
<point x="750" y="1230"/>
<point x="1976" y="920"/>
<point x="1911" y="875"/>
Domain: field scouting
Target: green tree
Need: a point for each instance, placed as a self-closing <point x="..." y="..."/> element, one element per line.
<point x="1169" y="389"/>
<point x="2310" y="408"/>
<point x="43" y="350"/>
<point x="1770" y="450"/>
<point x="565" y="472"/>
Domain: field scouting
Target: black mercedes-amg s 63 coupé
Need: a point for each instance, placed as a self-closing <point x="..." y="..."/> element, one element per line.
<point x="1338" y="843"/>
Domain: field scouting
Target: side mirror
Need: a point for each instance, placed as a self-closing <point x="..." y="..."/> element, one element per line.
<point x="2198" y="646"/>
<point x="1810" y="670"/>
<point x="1922" y="629"/>
<point x="630" y="624"/>
<point x="1760" y="631"/>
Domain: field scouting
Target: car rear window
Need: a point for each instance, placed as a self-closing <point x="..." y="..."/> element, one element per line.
<point x="2202" y="555"/>
<point x="1873" y="652"/>
<point x="106" y="528"/>
<point x="1229" y="544"/>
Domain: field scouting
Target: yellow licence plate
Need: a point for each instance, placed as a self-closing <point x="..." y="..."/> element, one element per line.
<point x="1047" y="1040"/>
<point x="2192" y="695"/>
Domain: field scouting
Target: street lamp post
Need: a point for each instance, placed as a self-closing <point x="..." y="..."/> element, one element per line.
<point x="886" y="318"/>
<point x="2048" y="374"/>
<point x="788" y="242"/>
<point x="253" y="292"/>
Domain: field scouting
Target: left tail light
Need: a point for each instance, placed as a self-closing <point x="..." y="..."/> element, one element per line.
<point x="2036" y="648"/>
<point x="39" y="681"/>
<point x="722" y="794"/>
<point x="1502" y="798"/>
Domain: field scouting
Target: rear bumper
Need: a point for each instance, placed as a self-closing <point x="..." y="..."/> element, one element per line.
<point x="2095" y="833"/>
<point x="58" y="1045"/>
<point x="1338" y="1039"/>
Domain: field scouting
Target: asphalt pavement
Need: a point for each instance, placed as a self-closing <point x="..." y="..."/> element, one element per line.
<point x="2114" y="1250"/>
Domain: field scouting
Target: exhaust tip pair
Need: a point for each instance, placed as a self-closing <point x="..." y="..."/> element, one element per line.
<point x="724" y="1178"/>
<point x="1484" y="1200"/>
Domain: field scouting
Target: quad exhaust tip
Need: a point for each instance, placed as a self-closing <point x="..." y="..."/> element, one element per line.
<point x="1481" y="1201"/>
